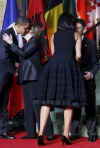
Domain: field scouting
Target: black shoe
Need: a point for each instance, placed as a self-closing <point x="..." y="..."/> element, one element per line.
<point x="7" y="136"/>
<point x="66" y="141"/>
<point x="92" y="139"/>
<point x="74" y="137"/>
<point x="40" y="141"/>
<point x="50" y="138"/>
<point x="29" y="137"/>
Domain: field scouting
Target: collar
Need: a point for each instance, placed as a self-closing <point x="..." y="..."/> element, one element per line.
<point x="13" y="26"/>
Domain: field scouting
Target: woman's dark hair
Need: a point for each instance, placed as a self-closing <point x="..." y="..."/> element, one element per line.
<point x="81" y="21"/>
<point x="66" y="22"/>
<point x="35" y="29"/>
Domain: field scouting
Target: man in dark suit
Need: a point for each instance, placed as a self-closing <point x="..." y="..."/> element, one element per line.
<point x="89" y="67"/>
<point x="7" y="69"/>
<point x="29" y="74"/>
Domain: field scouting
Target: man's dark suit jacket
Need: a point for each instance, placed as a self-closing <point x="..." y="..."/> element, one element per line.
<point x="7" y="57"/>
<point x="30" y="57"/>
<point x="89" y="60"/>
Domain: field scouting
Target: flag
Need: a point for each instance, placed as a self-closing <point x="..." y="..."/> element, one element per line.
<point x="15" y="103"/>
<point x="36" y="12"/>
<point x="53" y="11"/>
<point x="70" y="7"/>
<point x="86" y="9"/>
<point x="11" y="14"/>
<point x="52" y="14"/>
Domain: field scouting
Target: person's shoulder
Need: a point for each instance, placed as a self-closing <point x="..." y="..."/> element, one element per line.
<point x="9" y="30"/>
<point x="59" y="33"/>
<point x="33" y="40"/>
<point x="1" y="33"/>
<point x="1" y="36"/>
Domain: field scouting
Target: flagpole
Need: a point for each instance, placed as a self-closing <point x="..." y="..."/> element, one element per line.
<point x="98" y="39"/>
<point x="24" y="7"/>
<point x="98" y="31"/>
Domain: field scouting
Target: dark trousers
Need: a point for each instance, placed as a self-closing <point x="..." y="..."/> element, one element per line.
<point x="32" y="111"/>
<point x="90" y="111"/>
<point x="5" y="85"/>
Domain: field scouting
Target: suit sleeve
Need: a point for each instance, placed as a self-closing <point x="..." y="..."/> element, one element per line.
<point x="94" y="62"/>
<point x="27" y="50"/>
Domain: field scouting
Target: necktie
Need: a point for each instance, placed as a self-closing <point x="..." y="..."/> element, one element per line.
<point x="20" y="41"/>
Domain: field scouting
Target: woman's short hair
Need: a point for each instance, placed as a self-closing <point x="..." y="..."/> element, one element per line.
<point x="81" y="21"/>
<point x="35" y="29"/>
<point x="66" y="22"/>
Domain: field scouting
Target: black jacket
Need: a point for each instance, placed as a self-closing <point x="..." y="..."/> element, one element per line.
<point x="7" y="57"/>
<point x="30" y="57"/>
<point x="89" y="59"/>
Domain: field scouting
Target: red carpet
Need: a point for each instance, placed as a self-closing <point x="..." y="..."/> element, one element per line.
<point x="56" y="143"/>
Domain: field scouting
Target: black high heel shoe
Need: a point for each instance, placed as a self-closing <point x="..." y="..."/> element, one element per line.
<point x="40" y="141"/>
<point x="66" y="141"/>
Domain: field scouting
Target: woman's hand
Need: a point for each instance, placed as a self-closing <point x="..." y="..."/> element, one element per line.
<point x="8" y="38"/>
<point x="28" y="36"/>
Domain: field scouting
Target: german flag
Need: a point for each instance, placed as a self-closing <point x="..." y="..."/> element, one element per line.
<point x="53" y="11"/>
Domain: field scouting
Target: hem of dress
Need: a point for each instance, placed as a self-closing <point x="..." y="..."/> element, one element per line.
<point x="57" y="103"/>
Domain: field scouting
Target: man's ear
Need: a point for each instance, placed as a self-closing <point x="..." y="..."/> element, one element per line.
<point x="84" y="30"/>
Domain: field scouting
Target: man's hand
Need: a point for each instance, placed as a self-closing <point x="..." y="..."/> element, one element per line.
<point x="88" y="75"/>
<point x="8" y="38"/>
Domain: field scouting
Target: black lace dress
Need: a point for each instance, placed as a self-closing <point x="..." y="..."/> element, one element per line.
<point x="62" y="83"/>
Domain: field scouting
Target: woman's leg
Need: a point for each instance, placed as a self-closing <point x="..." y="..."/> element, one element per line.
<point x="44" y="114"/>
<point x="67" y="121"/>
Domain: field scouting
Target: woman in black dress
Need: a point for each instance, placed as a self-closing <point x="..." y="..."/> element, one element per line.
<point x="62" y="83"/>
